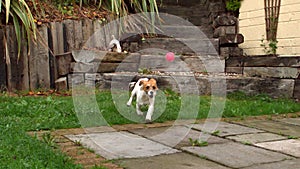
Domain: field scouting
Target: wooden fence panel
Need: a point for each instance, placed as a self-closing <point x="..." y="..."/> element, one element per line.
<point x="39" y="72"/>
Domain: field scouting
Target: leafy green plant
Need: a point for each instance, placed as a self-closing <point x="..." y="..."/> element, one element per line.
<point x="198" y="143"/>
<point x="77" y="143"/>
<point x="269" y="47"/>
<point x="247" y="143"/>
<point x="49" y="139"/>
<point x="216" y="133"/>
<point x="144" y="71"/>
<point x="293" y="137"/>
<point x="233" y="5"/>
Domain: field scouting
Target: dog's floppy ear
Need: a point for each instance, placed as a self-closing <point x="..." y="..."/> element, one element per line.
<point x="141" y="82"/>
<point x="152" y="80"/>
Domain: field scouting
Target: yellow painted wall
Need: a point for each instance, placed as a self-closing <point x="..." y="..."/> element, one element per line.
<point x="252" y="26"/>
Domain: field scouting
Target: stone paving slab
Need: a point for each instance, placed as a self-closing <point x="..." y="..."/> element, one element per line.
<point x="293" y="121"/>
<point x="256" y="137"/>
<point x="236" y="155"/>
<point x="115" y="145"/>
<point x="100" y="129"/>
<point x="172" y="161"/>
<point x="291" y="147"/>
<point x="176" y="136"/>
<point x="274" y="127"/>
<point x="227" y="129"/>
<point x="287" y="164"/>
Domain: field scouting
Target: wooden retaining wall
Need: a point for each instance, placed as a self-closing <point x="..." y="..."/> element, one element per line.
<point x="36" y="68"/>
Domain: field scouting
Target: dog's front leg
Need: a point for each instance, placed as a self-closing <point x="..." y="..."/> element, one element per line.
<point x="138" y="109"/>
<point x="150" y="112"/>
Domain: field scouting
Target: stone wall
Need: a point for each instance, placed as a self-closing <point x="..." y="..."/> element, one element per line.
<point x="281" y="71"/>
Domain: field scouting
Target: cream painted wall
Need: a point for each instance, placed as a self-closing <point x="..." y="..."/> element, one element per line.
<point x="252" y="26"/>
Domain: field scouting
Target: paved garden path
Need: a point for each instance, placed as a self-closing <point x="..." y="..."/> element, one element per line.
<point x="249" y="144"/>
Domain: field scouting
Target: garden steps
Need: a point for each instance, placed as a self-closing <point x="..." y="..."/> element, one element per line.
<point x="133" y="65"/>
<point x="186" y="31"/>
<point x="229" y="83"/>
<point x="203" y="46"/>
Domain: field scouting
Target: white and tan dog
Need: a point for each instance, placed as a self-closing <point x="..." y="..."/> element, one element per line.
<point x="145" y="91"/>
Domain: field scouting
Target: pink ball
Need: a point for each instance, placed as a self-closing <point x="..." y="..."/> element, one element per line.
<point x="170" y="56"/>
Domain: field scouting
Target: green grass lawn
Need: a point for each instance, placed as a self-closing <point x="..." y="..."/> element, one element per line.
<point x="26" y="113"/>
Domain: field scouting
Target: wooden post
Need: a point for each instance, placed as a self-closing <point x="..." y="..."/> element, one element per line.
<point x="17" y="67"/>
<point x="110" y="29"/>
<point x="69" y="34"/>
<point x="78" y="34"/>
<point x="24" y="67"/>
<point x="39" y="72"/>
<point x="87" y="26"/>
<point x="56" y="41"/>
<point x="98" y="37"/>
<point x="2" y="62"/>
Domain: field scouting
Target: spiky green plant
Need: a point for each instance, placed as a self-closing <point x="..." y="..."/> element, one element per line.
<point x="121" y="8"/>
<point x="22" y="18"/>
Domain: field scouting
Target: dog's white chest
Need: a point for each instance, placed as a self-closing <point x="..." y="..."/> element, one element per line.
<point x="144" y="99"/>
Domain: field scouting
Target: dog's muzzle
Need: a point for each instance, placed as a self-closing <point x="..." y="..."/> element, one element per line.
<point x="151" y="94"/>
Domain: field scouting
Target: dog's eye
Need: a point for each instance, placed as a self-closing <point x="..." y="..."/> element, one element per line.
<point x="147" y="87"/>
<point x="154" y="87"/>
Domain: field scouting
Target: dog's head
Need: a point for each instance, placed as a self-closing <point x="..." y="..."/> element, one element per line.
<point x="150" y="87"/>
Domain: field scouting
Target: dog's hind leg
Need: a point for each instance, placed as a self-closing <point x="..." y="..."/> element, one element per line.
<point x="138" y="109"/>
<point x="133" y="92"/>
<point x="130" y="99"/>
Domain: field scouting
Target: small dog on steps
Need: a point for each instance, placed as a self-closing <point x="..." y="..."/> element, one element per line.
<point x="144" y="90"/>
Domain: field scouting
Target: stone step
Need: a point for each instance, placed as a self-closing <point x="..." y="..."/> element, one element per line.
<point x="196" y="15"/>
<point x="182" y="11"/>
<point x="187" y="31"/>
<point x="273" y="87"/>
<point x="182" y="63"/>
<point x="169" y="19"/>
<point x="202" y="45"/>
<point x="182" y="2"/>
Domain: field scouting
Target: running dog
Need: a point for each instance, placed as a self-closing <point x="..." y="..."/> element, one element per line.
<point x="144" y="90"/>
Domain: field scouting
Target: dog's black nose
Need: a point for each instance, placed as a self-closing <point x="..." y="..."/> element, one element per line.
<point x="151" y="94"/>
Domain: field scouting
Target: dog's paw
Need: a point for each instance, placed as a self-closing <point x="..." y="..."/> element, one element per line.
<point x="139" y="113"/>
<point x="148" y="121"/>
<point x="128" y="104"/>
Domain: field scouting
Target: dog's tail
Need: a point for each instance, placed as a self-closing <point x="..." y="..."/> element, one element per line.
<point x="115" y="42"/>
<point x="131" y="86"/>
